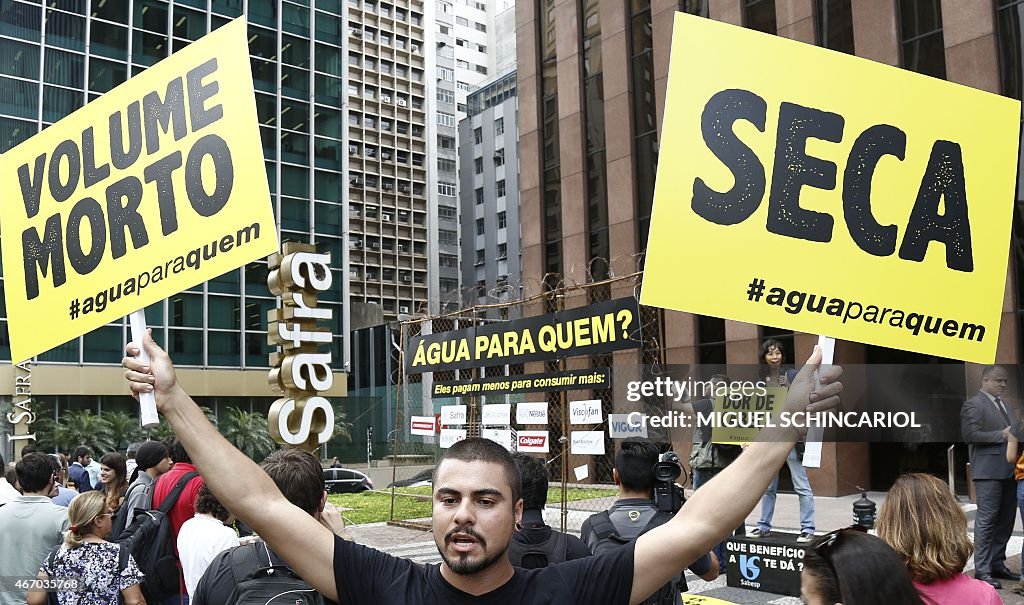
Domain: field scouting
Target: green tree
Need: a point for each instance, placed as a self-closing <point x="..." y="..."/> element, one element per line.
<point x="342" y="428"/>
<point x="75" y="428"/>
<point x="124" y="428"/>
<point x="248" y="431"/>
<point x="164" y="432"/>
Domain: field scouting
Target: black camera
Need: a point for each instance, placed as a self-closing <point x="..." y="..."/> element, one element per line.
<point x="668" y="496"/>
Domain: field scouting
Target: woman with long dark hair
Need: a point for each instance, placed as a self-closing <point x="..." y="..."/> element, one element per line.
<point x="114" y="478"/>
<point x="852" y="567"/>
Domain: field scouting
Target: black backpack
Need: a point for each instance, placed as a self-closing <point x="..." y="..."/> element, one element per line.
<point x="150" y="540"/>
<point x="535" y="556"/>
<point x="260" y="581"/>
<point x="120" y="518"/>
<point x="608" y="538"/>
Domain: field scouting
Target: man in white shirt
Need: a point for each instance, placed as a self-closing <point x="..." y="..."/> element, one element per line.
<point x="7" y="491"/>
<point x="203" y="537"/>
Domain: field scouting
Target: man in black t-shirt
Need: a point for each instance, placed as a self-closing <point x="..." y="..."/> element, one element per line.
<point x="301" y="480"/>
<point x="476" y="505"/>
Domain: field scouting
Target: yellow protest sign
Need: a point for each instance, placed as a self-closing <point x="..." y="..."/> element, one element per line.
<point x="738" y="417"/>
<point x="154" y="187"/>
<point x="825" y="193"/>
<point x="699" y="599"/>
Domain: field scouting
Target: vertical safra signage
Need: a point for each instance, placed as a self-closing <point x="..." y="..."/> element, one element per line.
<point x="301" y="369"/>
<point x="21" y="415"/>
<point x="871" y="205"/>
<point x="152" y="188"/>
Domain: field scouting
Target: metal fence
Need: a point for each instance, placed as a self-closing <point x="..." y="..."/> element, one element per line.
<point x="580" y="484"/>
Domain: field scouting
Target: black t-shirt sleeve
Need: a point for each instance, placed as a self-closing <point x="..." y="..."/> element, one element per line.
<point x="605" y="578"/>
<point x="217" y="583"/>
<point x="362" y="574"/>
<point x="576" y="549"/>
<point x="702" y="565"/>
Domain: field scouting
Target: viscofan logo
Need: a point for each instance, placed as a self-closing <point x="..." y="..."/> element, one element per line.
<point x="532" y="441"/>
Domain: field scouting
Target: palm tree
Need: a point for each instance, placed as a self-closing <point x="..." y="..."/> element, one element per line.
<point x="342" y="428"/>
<point x="248" y="432"/>
<point x="124" y="428"/>
<point x="82" y="427"/>
<point x="163" y="431"/>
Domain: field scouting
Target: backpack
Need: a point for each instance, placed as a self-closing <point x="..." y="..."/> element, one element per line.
<point x="150" y="540"/>
<point x="535" y="556"/>
<point x="259" y="581"/>
<point x="122" y="562"/>
<point x="120" y="519"/>
<point x="609" y="538"/>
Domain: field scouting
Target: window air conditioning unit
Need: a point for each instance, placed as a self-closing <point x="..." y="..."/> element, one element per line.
<point x="403" y="309"/>
<point x="402" y="102"/>
<point x="385" y="98"/>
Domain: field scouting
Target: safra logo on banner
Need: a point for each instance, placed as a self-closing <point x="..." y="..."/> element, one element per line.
<point x="154" y="187"/>
<point x="872" y="205"/>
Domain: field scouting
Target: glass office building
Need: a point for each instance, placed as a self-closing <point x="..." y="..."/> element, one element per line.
<point x="57" y="56"/>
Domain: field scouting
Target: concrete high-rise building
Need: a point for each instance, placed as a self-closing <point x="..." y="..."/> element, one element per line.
<point x="56" y="57"/>
<point x="587" y="182"/>
<point x="392" y="199"/>
<point x="489" y="194"/>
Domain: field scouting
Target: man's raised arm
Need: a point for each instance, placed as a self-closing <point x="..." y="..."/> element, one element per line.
<point x="714" y="510"/>
<point x="242" y="486"/>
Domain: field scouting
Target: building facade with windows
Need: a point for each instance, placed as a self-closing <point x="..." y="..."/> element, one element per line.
<point x="488" y="161"/>
<point x="57" y="56"/>
<point x="587" y="183"/>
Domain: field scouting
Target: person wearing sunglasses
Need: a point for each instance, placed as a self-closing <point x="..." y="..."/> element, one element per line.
<point x="86" y="569"/>
<point x="922" y="521"/>
<point x="851" y="567"/>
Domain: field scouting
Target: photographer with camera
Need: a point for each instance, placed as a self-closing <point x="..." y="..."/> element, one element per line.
<point x="648" y="498"/>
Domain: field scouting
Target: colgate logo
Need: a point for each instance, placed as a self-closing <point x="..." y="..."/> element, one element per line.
<point x="532" y="441"/>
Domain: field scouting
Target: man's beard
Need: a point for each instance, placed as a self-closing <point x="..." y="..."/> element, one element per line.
<point x="460" y="564"/>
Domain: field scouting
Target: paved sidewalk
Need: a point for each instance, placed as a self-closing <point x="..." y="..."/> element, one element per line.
<point x="830" y="513"/>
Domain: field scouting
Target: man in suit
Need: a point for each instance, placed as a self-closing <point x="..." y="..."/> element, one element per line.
<point x="985" y="423"/>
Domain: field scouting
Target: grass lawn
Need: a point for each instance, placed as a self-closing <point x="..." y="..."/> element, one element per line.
<point x="372" y="507"/>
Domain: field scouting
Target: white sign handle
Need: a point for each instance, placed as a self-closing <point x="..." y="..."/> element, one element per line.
<point x="815" y="434"/>
<point x="147" y="401"/>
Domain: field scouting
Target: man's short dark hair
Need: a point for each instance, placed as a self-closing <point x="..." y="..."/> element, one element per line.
<point x="987" y="370"/>
<point x="178" y="452"/>
<point x="82" y="450"/>
<point x="298" y="475"/>
<point x="534" y="478"/>
<point x="208" y="504"/>
<point x="484" y="450"/>
<point x="34" y="472"/>
<point x="635" y="462"/>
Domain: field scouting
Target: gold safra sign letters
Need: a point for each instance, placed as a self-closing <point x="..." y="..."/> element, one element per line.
<point x="301" y="418"/>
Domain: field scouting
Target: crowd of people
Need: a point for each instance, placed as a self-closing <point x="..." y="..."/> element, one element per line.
<point x="63" y="523"/>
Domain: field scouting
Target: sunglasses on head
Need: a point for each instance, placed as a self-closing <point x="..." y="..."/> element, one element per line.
<point x="824" y="544"/>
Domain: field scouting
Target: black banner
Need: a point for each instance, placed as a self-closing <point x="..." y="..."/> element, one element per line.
<point x="598" y="328"/>
<point x="599" y="378"/>
<point x="771" y="564"/>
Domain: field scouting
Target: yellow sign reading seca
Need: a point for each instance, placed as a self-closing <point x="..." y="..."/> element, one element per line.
<point x="154" y="187"/>
<point x="825" y="193"/>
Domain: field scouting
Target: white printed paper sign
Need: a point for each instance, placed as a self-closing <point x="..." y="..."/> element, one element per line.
<point x="532" y="412"/>
<point x="587" y="442"/>
<point x="502" y="437"/>
<point x="453" y="415"/>
<point x="497" y="414"/>
<point x="582" y="472"/>
<point x="585" y="412"/>
<point x="450" y="437"/>
<point x="619" y="426"/>
<point x="533" y="441"/>
<point x="423" y="425"/>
